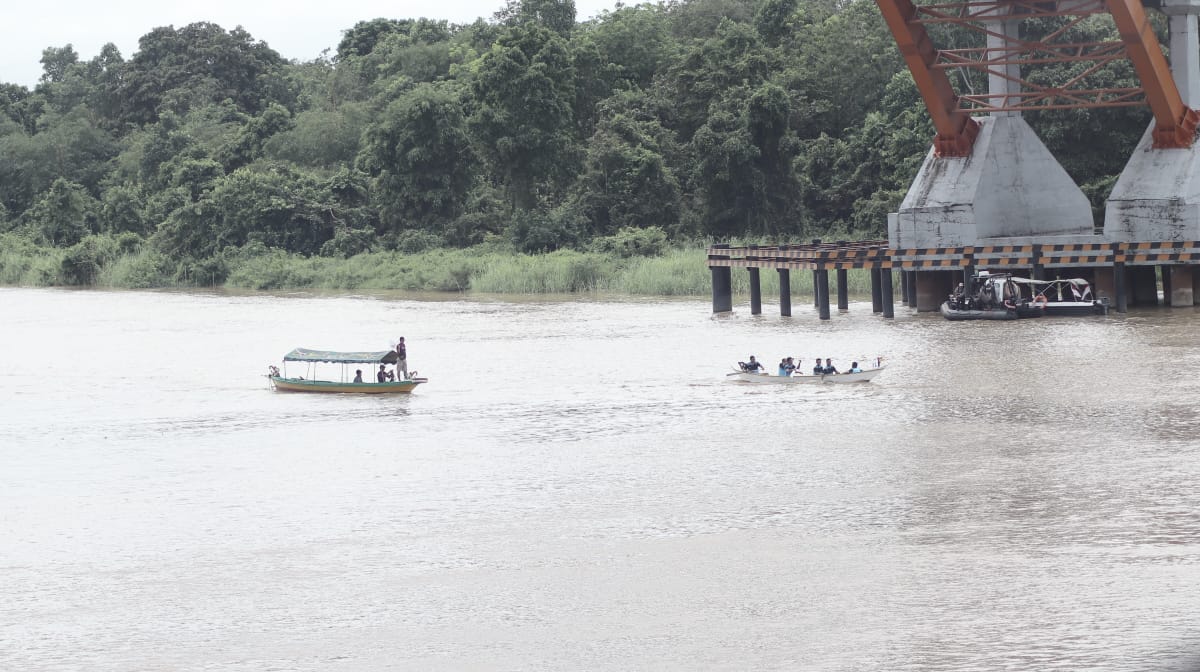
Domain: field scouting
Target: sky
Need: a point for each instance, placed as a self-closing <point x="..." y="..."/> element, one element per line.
<point x="297" y="29"/>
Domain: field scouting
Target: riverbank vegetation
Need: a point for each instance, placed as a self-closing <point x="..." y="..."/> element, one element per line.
<point x="101" y="261"/>
<point x="526" y="152"/>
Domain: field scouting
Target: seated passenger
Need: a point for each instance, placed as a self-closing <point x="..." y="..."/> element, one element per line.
<point x="829" y="367"/>
<point x="384" y="375"/>
<point x="817" y="368"/>
<point x="783" y="368"/>
<point x="854" y="368"/>
<point x="358" y="376"/>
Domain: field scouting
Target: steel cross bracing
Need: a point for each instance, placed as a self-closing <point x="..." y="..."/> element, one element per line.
<point x="1175" y="123"/>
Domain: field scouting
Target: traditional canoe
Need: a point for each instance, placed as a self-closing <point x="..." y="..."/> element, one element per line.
<point x="864" y="376"/>
<point x="284" y="383"/>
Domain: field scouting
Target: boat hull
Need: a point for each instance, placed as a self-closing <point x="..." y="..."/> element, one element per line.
<point x="1076" y="308"/>
<point x="330" y="387"/>
<point x="832" y="378"/>
<point x="990" y="313"/>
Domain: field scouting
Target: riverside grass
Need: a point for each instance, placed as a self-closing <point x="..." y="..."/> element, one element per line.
<point x="676" y="272"/>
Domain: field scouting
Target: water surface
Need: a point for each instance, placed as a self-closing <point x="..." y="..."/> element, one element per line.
<point x="579" y="487"/>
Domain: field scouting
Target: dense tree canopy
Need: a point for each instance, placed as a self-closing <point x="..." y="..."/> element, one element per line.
<point x="777" y="119"/>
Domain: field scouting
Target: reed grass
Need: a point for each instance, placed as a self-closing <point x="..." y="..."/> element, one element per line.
<point x="23" y="264"/>
<point x="681" y="271"/>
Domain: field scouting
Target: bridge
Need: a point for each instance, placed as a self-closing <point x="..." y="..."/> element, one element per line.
<point x="990" y="194"/>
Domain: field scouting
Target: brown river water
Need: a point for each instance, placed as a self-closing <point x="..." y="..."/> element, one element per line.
<point x="578" y="487"/>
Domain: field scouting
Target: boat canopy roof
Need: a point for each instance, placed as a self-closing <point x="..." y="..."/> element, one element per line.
<point x="307" y="355"/>
<point x="1079" y="282"/>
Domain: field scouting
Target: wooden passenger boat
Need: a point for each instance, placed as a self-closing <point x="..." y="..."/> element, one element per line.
<point x="282" y="382"/>
<point x="864" y="376"/>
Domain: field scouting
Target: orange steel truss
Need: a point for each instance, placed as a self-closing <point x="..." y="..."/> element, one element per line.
<point x="1175" y="123"/>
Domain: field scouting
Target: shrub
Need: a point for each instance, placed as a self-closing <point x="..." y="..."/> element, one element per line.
<point x="83" y="260"/>
<point x="633" y="242"/>
<point x="347" y="242"/>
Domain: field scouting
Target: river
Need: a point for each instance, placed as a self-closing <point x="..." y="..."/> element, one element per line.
<point x="579" y="488"/>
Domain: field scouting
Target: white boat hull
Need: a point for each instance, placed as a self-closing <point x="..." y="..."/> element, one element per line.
<point x="764" y="378"/>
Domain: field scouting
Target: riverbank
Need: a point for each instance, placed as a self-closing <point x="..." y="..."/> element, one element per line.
<point x="107" y="263"/>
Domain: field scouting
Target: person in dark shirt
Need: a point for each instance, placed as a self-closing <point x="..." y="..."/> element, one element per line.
<point x="384" y="375"/>
<point x="358" y="376"/>
<point x="829" y="367"/>
<point x="817" y="368"/>
<point x="402" y="362"/>
<point x="752" y="366"/>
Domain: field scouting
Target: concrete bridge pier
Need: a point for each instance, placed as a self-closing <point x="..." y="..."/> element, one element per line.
<point x="1143" y="285"/>
<point x="932" y="289"/>
<point x="1103" y="284"/>
<point x="843" y="290"/>
<point x="722" y="289"/>
<point x="888" y="296"/>
<point x="755" y="292"/>
<point x="904" y="287"/>
<point x="785" y="292"/>
<point x="1121" y="285"/>
<point x="1157" y="196"/>
<point x="822" y="293"/>
<point x="876" y="291"/>
<point x="1183" y="292"/>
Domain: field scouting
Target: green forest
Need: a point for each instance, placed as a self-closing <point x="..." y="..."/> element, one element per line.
<point x="527" y="151"/>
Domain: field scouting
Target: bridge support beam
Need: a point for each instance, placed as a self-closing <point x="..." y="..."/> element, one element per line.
<point x="888" y="295"/>
<point x="1157" y="196"/>
<point x="1121" y="282"/>
<point x="876" y="291"/>
<point x="785" y="292"/>
<point x="823" y="293"/>
<point x="843" y="290"/>
<point x="903" y="287"/>
<point x="722" y="288"/>
<point x="1009" y="186"/>
<point x="755" y="292"/>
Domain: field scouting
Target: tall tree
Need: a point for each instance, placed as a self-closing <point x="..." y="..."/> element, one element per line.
<point x="200" y="62"/>
<point x="420" y="157"/>
<point x="524" y="90"/>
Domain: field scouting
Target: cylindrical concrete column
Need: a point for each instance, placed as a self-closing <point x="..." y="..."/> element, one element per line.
<point x="889" y="306"/>
<point x="904" y="287"/>
<point x="816" y="294"/>
<point x="755" y="292"/>
<point x="1119" y="286"/>
<point x="785" y="292"/>
<point x="722" y="289"/>
<point x="912" y="289"/>
<point x="823" y="293"/>
<point x="876" y="291"/>
<point x="843" y="290"/>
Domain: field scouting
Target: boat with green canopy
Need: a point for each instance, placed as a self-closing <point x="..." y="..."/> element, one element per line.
<point x="310" y="382"/>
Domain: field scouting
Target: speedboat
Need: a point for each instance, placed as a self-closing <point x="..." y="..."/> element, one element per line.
<point x="282" y="382"/>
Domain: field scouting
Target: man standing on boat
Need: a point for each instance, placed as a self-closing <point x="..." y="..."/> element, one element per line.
<point x="402" y="362"/>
